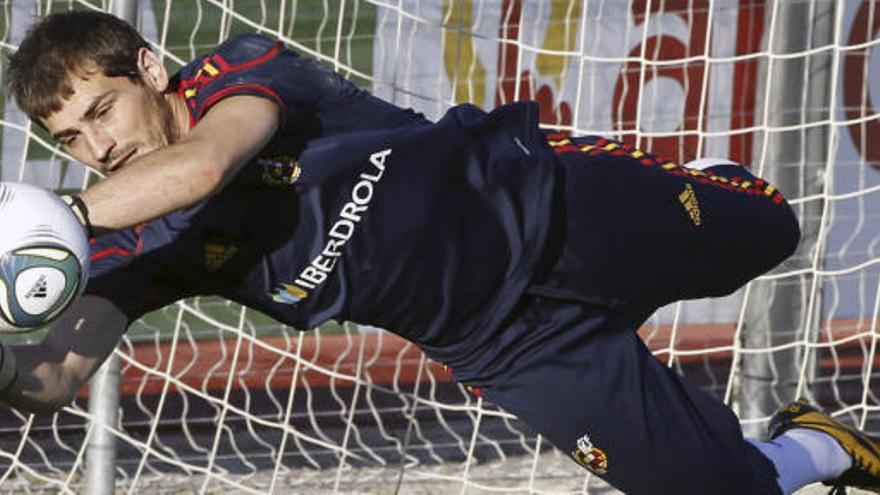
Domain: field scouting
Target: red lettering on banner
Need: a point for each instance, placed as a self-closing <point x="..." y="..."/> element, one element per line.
<point x="750" y="30"/>
<point x="856" y="93"/>
<point x="689" y="75"/>
<point x="663" y="47"/>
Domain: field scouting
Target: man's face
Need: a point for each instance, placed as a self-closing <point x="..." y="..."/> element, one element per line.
<point x="108" y="121"/>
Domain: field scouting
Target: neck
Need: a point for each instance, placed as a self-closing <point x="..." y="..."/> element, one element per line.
<point x="179" y="113"/>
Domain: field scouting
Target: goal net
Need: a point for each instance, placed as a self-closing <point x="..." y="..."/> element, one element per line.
<point x="218" y="398"/>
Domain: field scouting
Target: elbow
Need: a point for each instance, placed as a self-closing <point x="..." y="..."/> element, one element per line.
<point x="211" y="177"/>
<point x="211" y="168"/>
<point x="197" y="173"/>
<point x="206" y="179"/>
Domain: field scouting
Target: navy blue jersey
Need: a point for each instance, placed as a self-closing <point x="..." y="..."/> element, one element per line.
<point x="356" y="210"/>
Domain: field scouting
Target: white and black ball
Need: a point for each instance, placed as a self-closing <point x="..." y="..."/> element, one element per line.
<point x="44" y="257"/>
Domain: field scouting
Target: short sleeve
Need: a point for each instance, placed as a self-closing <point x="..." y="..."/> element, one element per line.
<point x="255" y="65"/>
<point x="122" y="275"/>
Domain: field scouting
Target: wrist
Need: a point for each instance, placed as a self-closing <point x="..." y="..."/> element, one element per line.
<point x="79" y="209"/>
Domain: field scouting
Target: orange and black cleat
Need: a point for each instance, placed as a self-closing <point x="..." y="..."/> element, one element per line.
<point x="863" y="448"/>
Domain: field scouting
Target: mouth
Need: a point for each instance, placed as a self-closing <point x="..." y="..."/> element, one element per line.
<point x="121" y="161"/>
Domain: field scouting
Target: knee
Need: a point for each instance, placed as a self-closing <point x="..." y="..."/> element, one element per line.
<point x="790" y="231"/>
<point x="774" y="236"/>
<point x="775" y="219"/>
<point x="775" y="225"/>
<point x="782" y="231"/>
<point x="763" y="239"/>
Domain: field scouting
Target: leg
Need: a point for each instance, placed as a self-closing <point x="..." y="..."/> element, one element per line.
<point x="635" y="228"/>
<point x="583" y="374"/>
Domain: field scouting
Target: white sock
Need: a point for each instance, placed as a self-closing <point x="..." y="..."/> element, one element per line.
<point x="803" y="456"/>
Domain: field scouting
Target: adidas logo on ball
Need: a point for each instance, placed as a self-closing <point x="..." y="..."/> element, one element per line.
<point x="38" y="290"/>
<point x="44" y="257"/>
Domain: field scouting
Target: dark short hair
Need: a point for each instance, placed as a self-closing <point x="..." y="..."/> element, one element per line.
<point x="58" y="45"/>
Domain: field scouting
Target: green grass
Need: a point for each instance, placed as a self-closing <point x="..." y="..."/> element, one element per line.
<point x="312" y="24"/>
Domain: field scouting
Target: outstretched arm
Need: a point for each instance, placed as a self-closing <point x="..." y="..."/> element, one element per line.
<point x="42" y="378"/>
<point x="198" y="165"/>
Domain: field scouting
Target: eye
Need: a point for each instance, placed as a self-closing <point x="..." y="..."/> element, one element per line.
<point x="103" y="111"/>
<point x="69" y="141"/>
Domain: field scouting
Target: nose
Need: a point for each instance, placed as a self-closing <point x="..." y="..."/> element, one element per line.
<point x="100" y="145"/>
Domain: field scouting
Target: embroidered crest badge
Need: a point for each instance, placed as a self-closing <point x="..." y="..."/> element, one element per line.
<point x="590" y="456"/>
<point x="281" y="170"/>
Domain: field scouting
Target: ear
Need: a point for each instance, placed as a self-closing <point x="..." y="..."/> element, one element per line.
<point x="152" y="71"/>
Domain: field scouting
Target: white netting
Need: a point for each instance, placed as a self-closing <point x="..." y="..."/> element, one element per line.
<point x="217" y="398"/>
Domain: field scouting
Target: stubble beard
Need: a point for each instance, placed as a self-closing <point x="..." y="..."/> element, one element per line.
<point x="162" y="131"/>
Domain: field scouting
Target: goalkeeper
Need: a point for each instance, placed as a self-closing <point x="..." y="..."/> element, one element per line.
<point x="523" y="260"/>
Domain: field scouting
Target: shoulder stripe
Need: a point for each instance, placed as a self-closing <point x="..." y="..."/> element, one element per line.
<point x="232" y="89"/>
<point x="225" y="67"/>
<point x="210" y="69"/>
<point x="110" y="252"/>
<point x="207" y="72"/>
<point x="198" y="78"/>
<point x="139" y="229"/>
<point x="189" y="88"/>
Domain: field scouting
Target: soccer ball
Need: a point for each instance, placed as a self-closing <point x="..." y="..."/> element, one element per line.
<point x="44" y="257"/>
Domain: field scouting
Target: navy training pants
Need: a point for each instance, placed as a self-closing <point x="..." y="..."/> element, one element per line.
<point x="634" y="232"/>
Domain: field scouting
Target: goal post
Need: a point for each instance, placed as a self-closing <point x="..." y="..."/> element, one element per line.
<point x="778" y="312"/>
<point x="214" y="397"/>
<point x="103" y="405"/>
